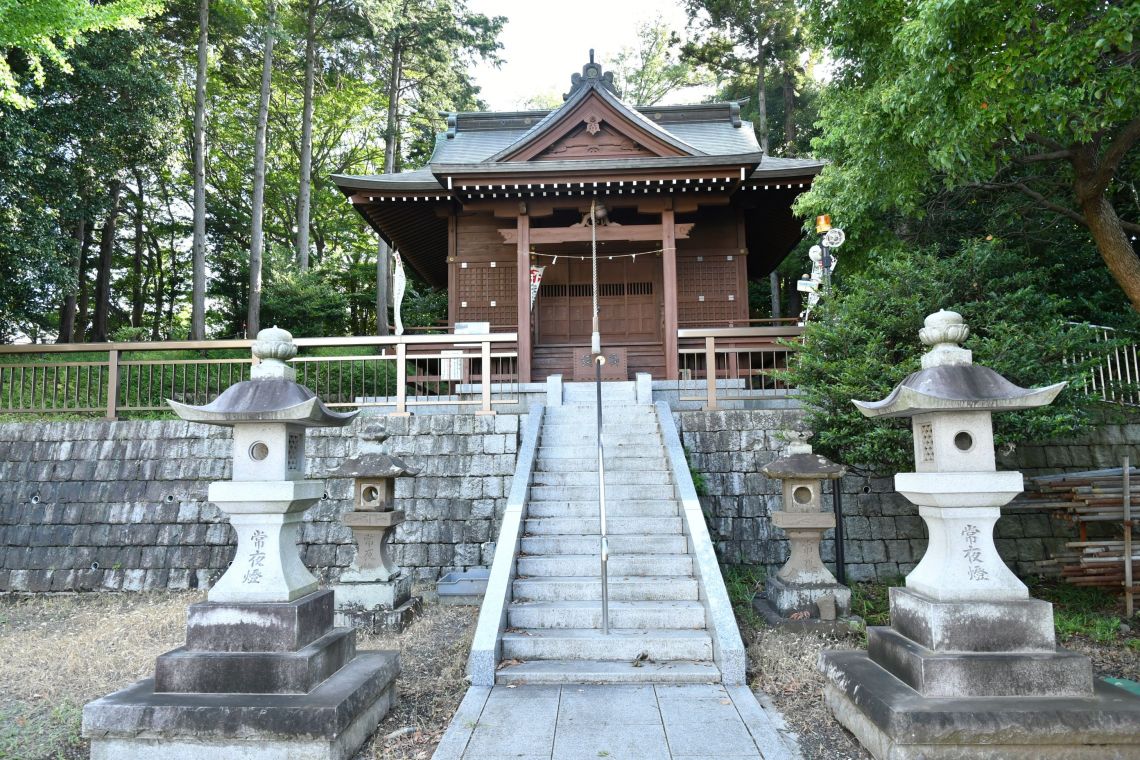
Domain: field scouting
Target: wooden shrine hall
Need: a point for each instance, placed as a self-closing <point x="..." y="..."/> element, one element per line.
<point x="686" y="211"/>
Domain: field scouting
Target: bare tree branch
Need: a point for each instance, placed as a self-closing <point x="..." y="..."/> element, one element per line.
<point x="1056" y="155"/>
<point x="1120" y="146"/>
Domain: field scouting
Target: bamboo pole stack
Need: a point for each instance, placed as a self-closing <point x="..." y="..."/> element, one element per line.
<point x="1100" y="500"/>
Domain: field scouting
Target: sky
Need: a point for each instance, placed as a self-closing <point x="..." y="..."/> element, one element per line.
<point x="545" y="42"/>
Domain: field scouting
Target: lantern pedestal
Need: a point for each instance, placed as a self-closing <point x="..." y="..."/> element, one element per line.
<point x="264" y="672"/>
<point x="969" y="667"/>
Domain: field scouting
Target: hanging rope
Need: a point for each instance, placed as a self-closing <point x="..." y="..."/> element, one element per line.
<point x="595" y="337"/>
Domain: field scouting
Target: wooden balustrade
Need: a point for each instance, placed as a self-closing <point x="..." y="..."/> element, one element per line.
<point x="751" y="355"/>
<point x="120" y="378"/>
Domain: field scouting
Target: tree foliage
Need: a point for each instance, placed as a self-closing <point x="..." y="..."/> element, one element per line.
<point x="856" y="349"/>
<point x="652" y="68"/>
<point x="32" y="32"/>
<point x="1015" y="98"/>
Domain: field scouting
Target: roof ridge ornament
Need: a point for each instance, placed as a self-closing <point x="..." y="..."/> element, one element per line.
<point x="591" y="76"/>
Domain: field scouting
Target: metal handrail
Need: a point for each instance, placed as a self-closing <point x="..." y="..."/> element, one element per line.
<point x="599" y="360"/>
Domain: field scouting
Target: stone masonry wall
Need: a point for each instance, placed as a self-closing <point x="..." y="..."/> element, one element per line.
<point x="884" y="536"/>
<point x="122" y="505"/>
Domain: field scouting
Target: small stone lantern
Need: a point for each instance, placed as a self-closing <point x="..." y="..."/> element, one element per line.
<point x="804" y="587"/>
<point x="264" y="672"/>
<point x="373" y="593"/>
<point x="969" y="666"/>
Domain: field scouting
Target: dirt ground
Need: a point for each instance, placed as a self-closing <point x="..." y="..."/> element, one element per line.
<point x="59" y="651"/>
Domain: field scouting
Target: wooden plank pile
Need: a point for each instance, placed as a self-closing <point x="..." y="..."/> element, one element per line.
<point x="1100" y="503"/>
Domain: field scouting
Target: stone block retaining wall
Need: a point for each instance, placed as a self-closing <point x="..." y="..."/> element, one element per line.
<point x="884" y="536"/>
<point x="122" y="505"/>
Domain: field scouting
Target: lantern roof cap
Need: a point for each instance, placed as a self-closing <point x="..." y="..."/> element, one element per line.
<point x="374" y="466"/>
<point x="270" y="395"/>
<point x="950" y="381"/>
<point x="804" y="466"/>
<point x="264" y="399"/>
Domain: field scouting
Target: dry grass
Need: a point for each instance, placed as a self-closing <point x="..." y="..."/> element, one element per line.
<point x="61" y="651"/>
<point x="783" y="665"/>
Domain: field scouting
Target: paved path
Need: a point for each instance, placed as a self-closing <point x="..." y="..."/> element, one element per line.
<point x="615" y="722"/>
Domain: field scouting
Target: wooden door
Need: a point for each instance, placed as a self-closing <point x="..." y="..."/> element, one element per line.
<point x="629" y="302"/>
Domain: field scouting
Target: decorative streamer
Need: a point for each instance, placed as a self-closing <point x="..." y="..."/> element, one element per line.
<point x="399" y="284"/>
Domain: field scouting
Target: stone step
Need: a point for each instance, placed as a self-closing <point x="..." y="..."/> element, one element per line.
<point x="613" y="492"/>
<point x="590" y="478"/>
<point x="595" y="671"/>
<point x="621" y="588"/>
<point x="647" y="447"/>
<point x="622" y="508"/>
<point x="621" y="644"/>
<point x="579" y="438"/>
<point x="613" y="464"/>
<point x="644" y="544"/>
<point x="619" y="564"/>
<point x="585" y="526"/>
<point x="588" y="391"/>
<point x="588" y="614"/>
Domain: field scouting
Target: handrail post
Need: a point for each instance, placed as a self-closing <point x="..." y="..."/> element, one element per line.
<point x="113" y="384"/>
<point x="710" y="372"/>
<point x="401" y="378"/>
<point x="604" y="547"/>
<point x="485" y="372"/>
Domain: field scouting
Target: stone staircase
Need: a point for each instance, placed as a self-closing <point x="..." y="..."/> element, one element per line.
<point x="658" y="627"/>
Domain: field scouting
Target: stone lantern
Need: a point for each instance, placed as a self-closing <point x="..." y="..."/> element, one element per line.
<point x="969" y="666"/>
<point x="373" y="593"/>
<point x="803" y="587"/>
<point x="264" y="671"/>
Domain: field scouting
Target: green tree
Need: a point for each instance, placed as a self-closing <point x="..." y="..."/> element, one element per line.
<point x="1010" y="98"/>
<point x="646" y="72"/>
<point x="31" y="32"/>
<point x="855" y="349"/>
<point x="740" y="37"/>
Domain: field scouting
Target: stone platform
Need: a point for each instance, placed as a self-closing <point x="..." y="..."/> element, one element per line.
<point x="328" y="723"/>
<point x="894" y="722"/>
<point x="836" y="626"/>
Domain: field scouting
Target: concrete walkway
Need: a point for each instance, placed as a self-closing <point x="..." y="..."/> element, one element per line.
<point x="616" y="722"/>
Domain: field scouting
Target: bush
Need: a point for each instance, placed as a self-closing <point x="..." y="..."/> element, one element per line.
<point x="307" y="304"/>
<point x="863" y="340"/>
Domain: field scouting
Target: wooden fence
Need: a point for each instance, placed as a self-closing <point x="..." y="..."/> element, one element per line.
<point x="125" y="378"/>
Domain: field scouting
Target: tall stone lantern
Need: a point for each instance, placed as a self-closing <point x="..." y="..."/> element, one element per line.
<point x="803" y="587"/>
<point x="969" y="666"/>
<point x="264" y="672"/>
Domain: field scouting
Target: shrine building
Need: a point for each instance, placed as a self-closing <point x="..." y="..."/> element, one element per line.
<point x="686" y="211"/>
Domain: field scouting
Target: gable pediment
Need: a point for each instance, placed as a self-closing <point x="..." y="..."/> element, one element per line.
<point x="593" y="125"/>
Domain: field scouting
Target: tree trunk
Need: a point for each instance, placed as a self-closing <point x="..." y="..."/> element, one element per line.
<point x="79" y="333"/>
<point x="67" y="311"/>
<point x="256" y="237"/>
<point x="790" y="110"/>
<point x="391" y="130"/>
<point x="99" y="329"/>
<point x="774" y="284"/>
<point x="1112" y="242"/>
<point x="303" y="193"/>
<point x="137" y="286"/>
<point x="762" y="94"/>
<point x="198" y="300"/>
<point x="154" y="264"/>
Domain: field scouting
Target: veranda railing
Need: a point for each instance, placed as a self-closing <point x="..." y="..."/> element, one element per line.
<point x="749" y="355"/>
<point x="395" y="372"/>
<point x="1115" y="378"/>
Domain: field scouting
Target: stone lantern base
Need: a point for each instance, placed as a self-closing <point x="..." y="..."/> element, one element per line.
<point x="377" y="606"/>
<point x="255" y="680"/>
<point x="976" y="679"/>
<point x="827" y="605"/>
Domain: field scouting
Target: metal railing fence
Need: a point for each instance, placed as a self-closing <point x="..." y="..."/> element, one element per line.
<point x="124" y="378"/>
<point x="752" y="355"/>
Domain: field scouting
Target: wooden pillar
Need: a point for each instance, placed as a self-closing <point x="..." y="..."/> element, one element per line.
<point x="524" y="294"/>
<point x="669" y="275"/>
<point x="452" y="268"/>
